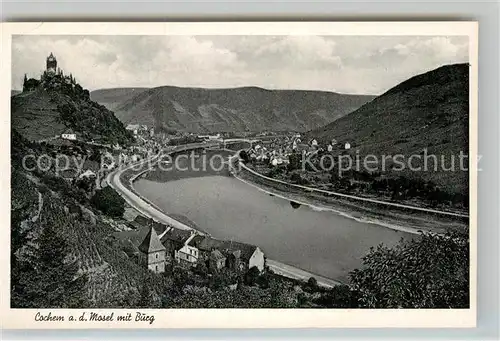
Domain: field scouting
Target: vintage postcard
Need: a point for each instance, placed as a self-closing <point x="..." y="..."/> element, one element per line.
<point x="239" y="175"/>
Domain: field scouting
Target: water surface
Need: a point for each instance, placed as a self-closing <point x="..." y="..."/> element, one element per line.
<point x="322" y="242"/>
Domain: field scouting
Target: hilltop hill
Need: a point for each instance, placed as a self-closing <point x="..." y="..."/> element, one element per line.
<point x="238" y="109"/>
<point x="111" y="98"/>
<point x="44" y="112"/>
<point x="428" y="111"/>
<point x="44" y="203"/>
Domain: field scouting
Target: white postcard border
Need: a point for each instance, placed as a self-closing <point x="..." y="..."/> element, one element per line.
<point x="240" y="318"/>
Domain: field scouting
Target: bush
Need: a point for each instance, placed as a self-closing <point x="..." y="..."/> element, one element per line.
<point x="340" y="296"/>
<point x="312" y="283"/>
<point x="263" y="281"/>
<point x="244" y="156"/>
<point x="251" y="276"/>
<point x="296" y="178"/>
<point x="108" y="202"/>
<point x="295" y="160"/>
<point x="431" y="271"/>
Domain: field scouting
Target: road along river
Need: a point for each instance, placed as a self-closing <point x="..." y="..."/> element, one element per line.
<point x="147" y="208"/>
<point x="320" y="242"/>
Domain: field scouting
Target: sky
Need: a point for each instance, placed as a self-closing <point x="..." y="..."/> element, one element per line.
<point x="345" y="64"/>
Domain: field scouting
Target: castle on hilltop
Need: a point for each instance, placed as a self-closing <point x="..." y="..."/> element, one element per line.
<point x="53" y="78"/>
<point x="51" y="64"/>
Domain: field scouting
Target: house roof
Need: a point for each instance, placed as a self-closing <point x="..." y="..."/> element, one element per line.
<point x="140" y="223"/>
<point x="136" y="236"/>
<point x="159" y="227"/>
<point x="151" y="242"/>
<point x="236" y="254"/>
<point x="176" y="235"/>
<point x="217" y="255"/>
<point x="196" y="240"/>
<point x="247" y="250"/>
<point x="135" y="225"/>
<point x="209" y="244"/>
<point x="142" y="220"/>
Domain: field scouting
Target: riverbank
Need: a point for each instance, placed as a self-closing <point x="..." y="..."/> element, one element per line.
<point x="396" y="218"/>
<point x="149" y="209"/>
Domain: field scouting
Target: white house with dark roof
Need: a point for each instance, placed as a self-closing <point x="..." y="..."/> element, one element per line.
<point x="134" y="128"/>
<point x="187" y="253"/>
<point x="69" y="135"/>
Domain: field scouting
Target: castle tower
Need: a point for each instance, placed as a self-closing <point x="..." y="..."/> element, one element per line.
<point x="51" y="64"/>
<point x="154" y="252"/>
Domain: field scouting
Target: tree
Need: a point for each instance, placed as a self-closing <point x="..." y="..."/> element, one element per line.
<point x="340" y="296"/>
<point x="252" y="275"/>
<point x="109" y="202"/>
<point x="49" y="279"/>
<point x="146" y="297"/>
<point x="87" y="184"/>
<point x="30" y="84"/>
<point x="244" y="156"/>
<point x="431" y="271"/>
<point x="312" y="284"/>
<point x="295" y="160"/>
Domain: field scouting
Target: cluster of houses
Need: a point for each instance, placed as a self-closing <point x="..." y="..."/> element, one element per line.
<point x="81" y="164"/>
<point x="276" y="152"/>
<point x="155" y="245"/>
<point x="141" y="129"/>
<point x="216" y="137"/>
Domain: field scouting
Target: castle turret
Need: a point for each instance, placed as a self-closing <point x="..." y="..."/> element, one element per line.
<point x="51" y="64"/>
<point x="153" y="252"/>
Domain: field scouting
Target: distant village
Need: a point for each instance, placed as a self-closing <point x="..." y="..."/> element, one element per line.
<point x="276" y="151"/>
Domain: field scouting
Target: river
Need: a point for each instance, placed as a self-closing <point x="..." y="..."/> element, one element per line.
<point x="322" y="242"/>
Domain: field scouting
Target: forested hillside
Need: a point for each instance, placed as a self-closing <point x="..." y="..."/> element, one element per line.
<point x="236" y="109"/>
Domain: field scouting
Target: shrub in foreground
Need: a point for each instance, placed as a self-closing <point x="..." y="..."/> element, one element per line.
<point x="430" y="271"/>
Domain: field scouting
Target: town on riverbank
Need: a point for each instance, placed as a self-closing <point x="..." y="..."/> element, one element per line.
<point x="262" y="212"/>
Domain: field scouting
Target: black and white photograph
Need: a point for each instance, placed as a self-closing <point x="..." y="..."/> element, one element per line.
<point x="279" y="171"/>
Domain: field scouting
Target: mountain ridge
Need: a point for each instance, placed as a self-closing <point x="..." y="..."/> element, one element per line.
<point x="234" y="109"/>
